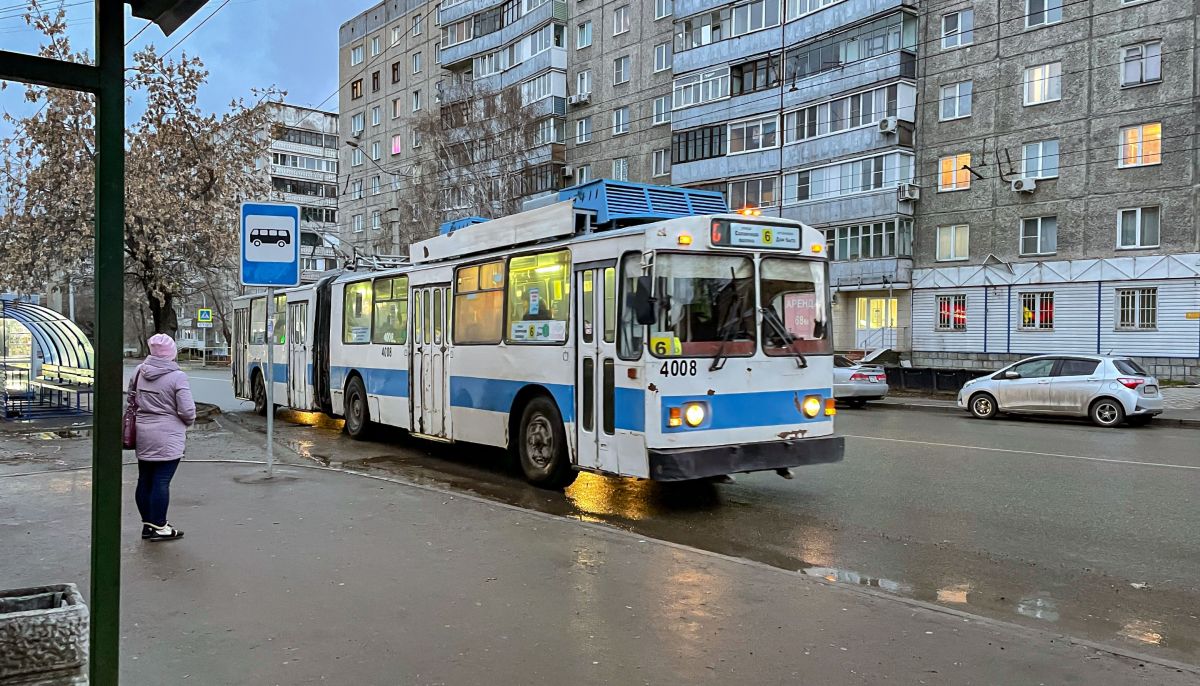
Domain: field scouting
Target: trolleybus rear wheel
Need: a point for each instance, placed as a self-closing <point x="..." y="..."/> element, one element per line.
<point x="358" y="414"/>
<point x="542" y="446"/>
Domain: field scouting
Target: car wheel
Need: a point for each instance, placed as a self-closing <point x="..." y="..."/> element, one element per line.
<point x="1107" y="413"/>
<point x="1140" y="420"/>
<point x="358" y="414"/>
<point x="281" y="243"/>
<point x="983" y="406"/>
<point x="542" y="446"/>
<point x="257" y="243"/>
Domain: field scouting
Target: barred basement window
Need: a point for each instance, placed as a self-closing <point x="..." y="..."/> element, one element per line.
<point x="1137" y="309"/>
<point x="1037" y="310"/>
<point x="952" y="312"/>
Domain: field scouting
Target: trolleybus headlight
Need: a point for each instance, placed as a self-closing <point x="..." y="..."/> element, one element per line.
<point x="693" y="414"/>
<point x="811" y="406"/>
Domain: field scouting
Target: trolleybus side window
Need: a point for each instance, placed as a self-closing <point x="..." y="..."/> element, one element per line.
<point x="610" y="304"/>
<point x="629" y="345"/>
<point x="390" y="325"/>
<point x="479" y="304"/>
<point x="539" y="294"/>
<point x="280" y="335"/>
<point x="795" y="296"/>
<point x="416" y="317"/>
<point x="437" y="316"/>
<point x="705" y="306"/>
<point x="356" y="313"/>
<point x="588" y="312"/>
<point x="258" y="321"/>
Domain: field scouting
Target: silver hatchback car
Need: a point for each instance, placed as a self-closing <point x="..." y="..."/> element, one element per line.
<point x="1108" y="390"/>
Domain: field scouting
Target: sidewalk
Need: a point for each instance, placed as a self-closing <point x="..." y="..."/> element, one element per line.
<point x="327" y="577"/>
<point x="1182" y="406"/>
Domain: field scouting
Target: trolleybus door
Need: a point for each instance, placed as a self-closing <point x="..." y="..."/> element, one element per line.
<point x="595" y="336"/>
<point x="241" y="339"/>
<point x="297" y="355"/>
<point x="428" y="366"/>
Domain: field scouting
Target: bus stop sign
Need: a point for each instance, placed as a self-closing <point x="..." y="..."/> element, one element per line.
<point x="270" y="245"/>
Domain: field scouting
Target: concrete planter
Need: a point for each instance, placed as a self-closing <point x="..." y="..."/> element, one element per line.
<point x="43" y="637"/>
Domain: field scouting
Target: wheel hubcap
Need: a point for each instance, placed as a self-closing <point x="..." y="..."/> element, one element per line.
<point x="539" y="441"/>
<point x="983" y="406"/>
<point x="1106" y="413"/>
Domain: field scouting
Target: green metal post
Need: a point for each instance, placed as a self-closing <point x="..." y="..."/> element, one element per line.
<point x="110" y="312"/>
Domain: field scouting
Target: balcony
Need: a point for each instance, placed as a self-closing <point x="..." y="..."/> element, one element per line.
<point x="484" y="44"/>
<point x="871" y="273"/>
<point x="554" y="58"/>
<point x="729" y="51"/>
<point x="849" y="209"/>
<point x="846" y="13"/>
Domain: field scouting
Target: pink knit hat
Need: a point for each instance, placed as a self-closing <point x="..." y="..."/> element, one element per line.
<point x="162" y="345"/>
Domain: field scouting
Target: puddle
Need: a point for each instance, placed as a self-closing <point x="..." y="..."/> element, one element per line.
<point x="848" y="577"/>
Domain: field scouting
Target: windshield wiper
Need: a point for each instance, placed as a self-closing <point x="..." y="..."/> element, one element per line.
<point x="772" y="318"/>
<point x="730" y="325"/>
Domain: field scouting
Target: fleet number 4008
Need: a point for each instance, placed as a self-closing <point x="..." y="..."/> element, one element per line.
<point x="678" y="368"/>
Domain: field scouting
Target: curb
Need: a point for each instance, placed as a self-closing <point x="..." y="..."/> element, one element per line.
<point x="1183" y="423"/>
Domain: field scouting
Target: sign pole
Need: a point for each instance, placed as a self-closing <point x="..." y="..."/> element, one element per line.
<point x="270" y="376"/>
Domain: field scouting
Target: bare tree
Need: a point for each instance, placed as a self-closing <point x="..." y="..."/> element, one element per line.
<point x="185" y="174"/>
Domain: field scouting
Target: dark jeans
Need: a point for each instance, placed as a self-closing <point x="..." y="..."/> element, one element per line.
<point x="154" y="490"/>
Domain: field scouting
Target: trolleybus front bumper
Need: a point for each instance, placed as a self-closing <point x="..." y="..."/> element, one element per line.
<point x="682" y="464"/>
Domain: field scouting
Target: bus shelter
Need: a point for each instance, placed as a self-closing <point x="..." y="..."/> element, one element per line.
<point x="47" y="362"/>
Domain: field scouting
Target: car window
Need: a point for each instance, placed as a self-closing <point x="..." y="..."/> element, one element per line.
<point x="1076" y="367"/>
<point x="1035" y="368"/>
<point x="842" y="361"/>
<point x="1129" y="367"/>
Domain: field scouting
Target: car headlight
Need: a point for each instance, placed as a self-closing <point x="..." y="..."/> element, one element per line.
<point x="693" y="414"/>
<point x="811" y="406"/>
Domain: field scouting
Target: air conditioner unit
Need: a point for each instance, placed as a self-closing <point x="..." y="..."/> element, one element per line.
<point x="908" y="191"/>
<point x="889" y="124"/>
<point x="579" y="98"/>
<point x="1024" y="185"/>
<point x="568" y="170"/>
<point x="357" y="134"/>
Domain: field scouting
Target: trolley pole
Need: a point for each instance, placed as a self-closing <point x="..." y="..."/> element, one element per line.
<point x="270" y="377"/>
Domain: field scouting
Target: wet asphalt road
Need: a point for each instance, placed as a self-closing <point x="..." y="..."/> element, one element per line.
<point x="1055" y="525"/>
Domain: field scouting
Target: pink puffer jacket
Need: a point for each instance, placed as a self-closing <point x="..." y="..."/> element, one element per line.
<point x="165" y="409"/>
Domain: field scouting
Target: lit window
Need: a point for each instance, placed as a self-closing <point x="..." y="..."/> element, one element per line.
<point x="1037" y="310"/>
<point x="953" y="174"/>
<point x="391" y="311"/>
<point x="539" y="298"/>
<point x="356" y="89"/>
<point x="952" y="312"/>
<point x="396" y="144"/>
<point x="953" y="242"/>
<point x="1141" y="145"/>
<point x="479" y="303"/>
<point x="356" y="306"/>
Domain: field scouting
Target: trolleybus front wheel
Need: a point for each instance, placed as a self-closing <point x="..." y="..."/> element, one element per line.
<point x="259" y="390"/>
<point x="542" y="446"/>
<point x="358" y="415"/>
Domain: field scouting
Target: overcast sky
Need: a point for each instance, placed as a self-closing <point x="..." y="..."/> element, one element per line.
<point x="291" y="44"/>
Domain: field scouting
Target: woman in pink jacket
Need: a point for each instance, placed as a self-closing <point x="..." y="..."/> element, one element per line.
<point x="165" y="411"/>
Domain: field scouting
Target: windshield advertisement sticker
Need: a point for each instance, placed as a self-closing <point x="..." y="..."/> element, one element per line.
<point x="549" y="331"/>
<point x="800" y="315"/>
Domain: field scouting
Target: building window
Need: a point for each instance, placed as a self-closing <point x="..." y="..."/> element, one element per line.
<point x="662" y="57"/>
<point x="416" y="62"/>
<point x="700" y="87"/>
<point x="374" y="45"/>
<point x="753" y="193"/>
<point x="356" y="157"/>
<point x="375" y="116"/>
<point x="416" y="24"/>
<point x="397" y="34"/>
<point x="1043" y="83"/>
<point x="662" y="162"/>
<point x="1039" y="160"/>
<point x="620" y="169"/>
<point x="458" y="32"/>
<point x="1141" y="145"/>
<point x="799" y="8"/>
<point x="1042" y="12"/>
<point x="396" y="144"/>
<point x="1141" y="64"/>
<point x="583" y="174"/>
<point x="663" y="8"/>
<point x="755" y="75"/>
<point x="375" y="82"/>
<point x="376" y="185"/>
<point x="376" y="221"/>
<point x="1039" y="235"/>
<point x="955" y="101"/>
<point x="416" y="100"/>
<point x="621" y="20"/>
<point x="416" y="139"/>
<point x="357" y="55"/>
<point x="662" y="110"/>
<point x="396" y="72"/>
<point x="358" y="122"/>
<point x="376" y="151"/>
<point x="953" y="174"/>
<point x="958" y="29"/>
<point x="583" y="130"/>
<point x="358" y="223"/>
<point x="753" y="134"/>
<point x="1137" y="309"/>
<point x="870" y="241"/>
<point x="356" y="190"/>
<point x="621" y="70"/>
<point x="620" y="121"/>
<point x="1138" y="227"/>
<point x="1037" y="311"/>
<point x="952" y="312"/>
<point x="356" y="89"/>
<point x="395" y="108"/>
<point x="698" y="144"/>
<point x="953" y="242"/>
<point x="755" y="16"/>
<point x="583" y="35"/>
<point x="583" y="82"/>
<point x="863" y="175"/>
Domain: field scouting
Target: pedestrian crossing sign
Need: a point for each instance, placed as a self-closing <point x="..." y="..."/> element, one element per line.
<point x="204" y="315"/>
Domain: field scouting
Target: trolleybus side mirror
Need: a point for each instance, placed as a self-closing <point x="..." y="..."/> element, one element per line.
<point x="643" y="302"/>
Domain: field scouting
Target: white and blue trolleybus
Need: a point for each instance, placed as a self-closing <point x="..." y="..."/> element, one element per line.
<point x="626" y="329"/>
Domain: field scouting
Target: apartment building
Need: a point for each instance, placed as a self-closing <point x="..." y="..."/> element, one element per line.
<point x="804" y="109"/>
<point x="1058" y="206"/>
<point x="302" y="161"/>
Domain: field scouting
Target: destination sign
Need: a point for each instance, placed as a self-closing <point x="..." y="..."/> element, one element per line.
<point x="761" y="236"/>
